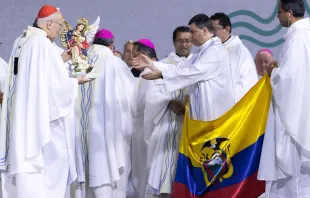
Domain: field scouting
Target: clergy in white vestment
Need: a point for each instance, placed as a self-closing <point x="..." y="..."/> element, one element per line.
<point x="206" y="75"/>
<point x="105" y="111"/>
<point x="165" y="110"/>
<point x="241" y="61"/>
<point x="262" y="59"/>
<point x="37" y="143"/>
<point x="141" y="132"/>
<point x="285" y="159"/>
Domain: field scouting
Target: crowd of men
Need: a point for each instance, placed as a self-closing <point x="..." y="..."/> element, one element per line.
<point x="118" y="135"/>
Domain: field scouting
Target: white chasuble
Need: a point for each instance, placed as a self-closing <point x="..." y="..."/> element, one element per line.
<point x="37" y="139"/>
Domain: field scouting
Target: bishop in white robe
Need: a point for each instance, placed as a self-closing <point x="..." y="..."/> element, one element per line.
<point x="105" y="111"/>
<point x="141" y="132"/>
<point x="37" y="148"/>
<point x="286" y="151"/>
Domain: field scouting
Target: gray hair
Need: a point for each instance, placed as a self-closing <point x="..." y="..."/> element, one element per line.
<point x="52" y="17"/>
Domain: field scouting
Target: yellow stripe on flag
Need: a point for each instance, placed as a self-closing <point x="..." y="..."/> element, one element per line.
<point x="246" y="119"/>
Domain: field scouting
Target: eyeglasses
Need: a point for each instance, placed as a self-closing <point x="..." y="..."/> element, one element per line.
<point x="217" y="29"/>
<point x="187" y="41"/>
<point x="61" y="25"/>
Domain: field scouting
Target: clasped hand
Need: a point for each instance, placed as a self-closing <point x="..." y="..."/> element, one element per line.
<point x="271" y="66"/>
<point x="84" y="79"/>
<point x="177" y="107"/>
<point x="66" y="55"/>
<point x="142" y="62"/>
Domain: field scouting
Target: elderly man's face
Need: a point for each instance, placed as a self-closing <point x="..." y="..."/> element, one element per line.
<point x="55" y="26"/>
<point x="128" y="53"/>
<point x="262" y="60"/>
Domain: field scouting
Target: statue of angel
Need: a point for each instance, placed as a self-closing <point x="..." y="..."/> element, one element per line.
<point x="78" y="41"/>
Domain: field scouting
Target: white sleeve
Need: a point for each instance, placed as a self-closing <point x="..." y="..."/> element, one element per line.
<point x="190" y="71"/>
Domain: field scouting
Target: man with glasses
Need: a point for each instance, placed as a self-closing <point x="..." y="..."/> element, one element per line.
<point x="165" y="110"/>
<point x="183" y="45"/>
<point x="241" y="61"/>
<point x="38" y="140"/>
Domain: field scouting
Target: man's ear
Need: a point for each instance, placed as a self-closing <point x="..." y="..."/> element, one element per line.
<point x="228" y="28"/>
<point x="49" y="25"/>
<point x="205" y="30"/>
<point x="290" y="13"/>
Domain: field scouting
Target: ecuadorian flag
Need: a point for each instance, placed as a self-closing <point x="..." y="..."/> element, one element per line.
<point x="220" y="158"/>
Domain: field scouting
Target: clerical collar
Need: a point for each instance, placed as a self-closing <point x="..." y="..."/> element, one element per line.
<point x="35" y="25"/>
<point x="35" y="31"/>
<point x="46" y="34"/>
<point x="136" y="73"/>
<point x="227" y="39"/>
<point x="38" y="27"/>
<point x="100" y="48"/>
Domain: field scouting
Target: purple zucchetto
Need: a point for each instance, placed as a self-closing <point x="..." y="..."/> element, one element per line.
<point x="104" y="34"/>
<point x="147" y="43"/>
<point x="265" y="50"/>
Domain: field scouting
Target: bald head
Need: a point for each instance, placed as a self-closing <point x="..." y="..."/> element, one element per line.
<point x="262" y="59"/>
<point x="52" y="25"/>
<point x="127" y="54"/>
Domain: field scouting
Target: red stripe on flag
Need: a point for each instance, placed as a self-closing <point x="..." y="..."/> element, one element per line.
<point x="249" y="188"/>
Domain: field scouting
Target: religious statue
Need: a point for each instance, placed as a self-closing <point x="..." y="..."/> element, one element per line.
<point x="78" y="41"/>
